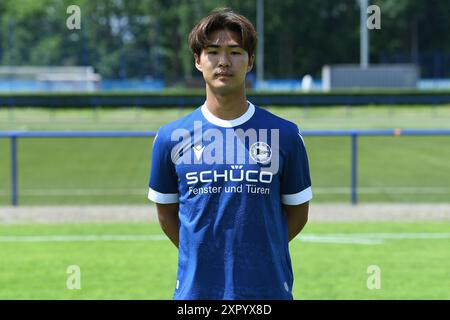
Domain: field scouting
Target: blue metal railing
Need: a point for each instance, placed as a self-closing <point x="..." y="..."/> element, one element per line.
<point x="354" y="134"/>
<point x="158" y="99"/>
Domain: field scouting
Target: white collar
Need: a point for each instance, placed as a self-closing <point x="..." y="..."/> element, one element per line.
<point x="228" y="123"/>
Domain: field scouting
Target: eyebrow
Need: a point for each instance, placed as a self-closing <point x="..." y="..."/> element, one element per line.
<point x="217" y="46"/>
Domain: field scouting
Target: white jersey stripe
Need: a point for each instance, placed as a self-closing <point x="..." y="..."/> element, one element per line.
<point x="297" y="198"/>
<point x="163" y="198"/>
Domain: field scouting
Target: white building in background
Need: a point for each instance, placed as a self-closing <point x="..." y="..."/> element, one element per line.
<point x="307" y="83"/>
<point x="47" y="78"/>
<point x="375" y="76"/>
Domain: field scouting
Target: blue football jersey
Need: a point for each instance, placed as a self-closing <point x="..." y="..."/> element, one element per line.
<point x="231" y="178"/>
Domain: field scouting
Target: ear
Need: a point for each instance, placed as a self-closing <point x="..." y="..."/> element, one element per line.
<point x="197" y="62"/>
<point x="251" y="61"/>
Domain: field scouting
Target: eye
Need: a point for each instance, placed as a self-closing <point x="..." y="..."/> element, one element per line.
<point x="235" y="52"/>
<point x="212" y="52"/>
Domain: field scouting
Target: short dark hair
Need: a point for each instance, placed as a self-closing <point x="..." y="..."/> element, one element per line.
<point x="223" y="19"/>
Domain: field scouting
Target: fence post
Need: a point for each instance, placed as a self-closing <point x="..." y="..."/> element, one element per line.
<point x="14" y="194"/>
<point x="354" y="164"/>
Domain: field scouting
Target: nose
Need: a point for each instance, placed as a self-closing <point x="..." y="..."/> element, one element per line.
<point x="224" y="60"/>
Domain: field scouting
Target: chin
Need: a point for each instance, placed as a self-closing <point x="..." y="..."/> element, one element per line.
<point x="218" y="84"/>
<point x="223" y="88"/>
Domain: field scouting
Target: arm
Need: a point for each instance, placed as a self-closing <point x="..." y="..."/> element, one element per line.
<point x="168" y="220"/>
<point x="296" y="217"/>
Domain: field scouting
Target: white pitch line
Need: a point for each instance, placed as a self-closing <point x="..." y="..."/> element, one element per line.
<point x="75" y="238"/>
<point x="138" y="191"/>
<point x="343" y="238"/>
<point x="376" y="190"/>
<point x="429" y="235"/>
<point x="368" y="238"/>
<point x="80" y="192"/>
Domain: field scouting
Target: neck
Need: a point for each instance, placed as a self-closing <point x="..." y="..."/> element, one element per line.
<point x="227" y="106"/>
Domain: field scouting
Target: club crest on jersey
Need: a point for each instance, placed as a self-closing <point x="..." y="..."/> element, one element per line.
<point x="261" y="152"/>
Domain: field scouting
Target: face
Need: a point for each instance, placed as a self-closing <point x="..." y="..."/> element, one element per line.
<point x="224" y="63"/>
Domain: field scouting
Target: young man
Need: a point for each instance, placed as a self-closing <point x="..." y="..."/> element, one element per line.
<point x="230" y="180"/>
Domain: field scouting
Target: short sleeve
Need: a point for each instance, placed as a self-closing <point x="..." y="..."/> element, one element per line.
<point x="163" y="182"/>
<point x="296" y="180"/>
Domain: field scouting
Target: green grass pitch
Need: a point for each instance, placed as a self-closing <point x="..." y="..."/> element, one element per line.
<point x="412" y="264"/>
<point x="331" y="260"/>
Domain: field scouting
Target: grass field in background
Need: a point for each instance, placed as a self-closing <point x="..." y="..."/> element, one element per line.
<point x="362" y="117"/>
<point x="330" y="263"/>
<point x="115" y="170"/>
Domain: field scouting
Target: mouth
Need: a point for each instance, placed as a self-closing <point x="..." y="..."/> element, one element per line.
<point x="223" y="74"/>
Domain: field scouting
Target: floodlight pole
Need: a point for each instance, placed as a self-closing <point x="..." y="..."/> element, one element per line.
<point x="260" y="48"/>
<point x="364" y="35"/>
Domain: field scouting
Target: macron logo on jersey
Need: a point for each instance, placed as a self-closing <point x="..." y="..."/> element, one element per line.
<point x="198" y="151"/>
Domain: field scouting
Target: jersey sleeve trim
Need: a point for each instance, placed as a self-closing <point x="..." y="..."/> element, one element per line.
<point x="163" y="198"/>
<point x="297" y="198"/>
